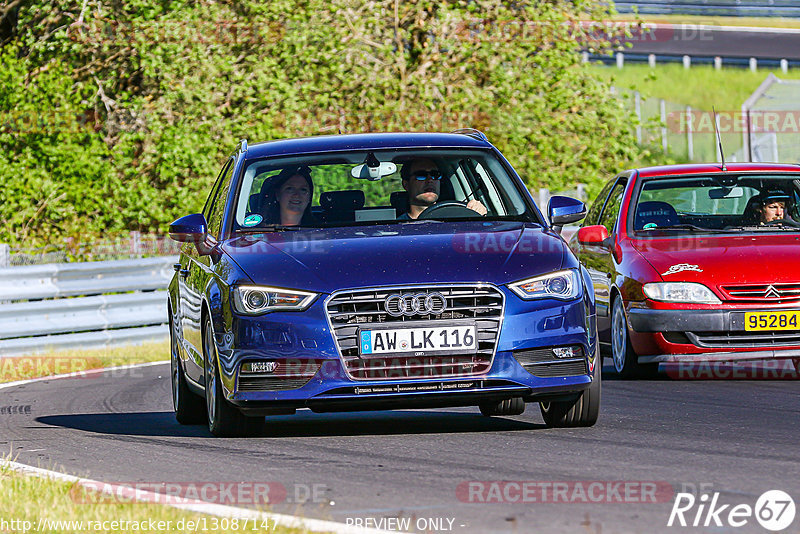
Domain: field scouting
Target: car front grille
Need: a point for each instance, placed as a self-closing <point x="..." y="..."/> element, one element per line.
<point x="763" y="293"/>
<point x="481" y="305"/>
<point x="741" y="339"/>
<point x="542" y="363"/>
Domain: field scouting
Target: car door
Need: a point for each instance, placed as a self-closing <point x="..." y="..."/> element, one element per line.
<point x="195" y="272"/>
<point x="598" y="260"/>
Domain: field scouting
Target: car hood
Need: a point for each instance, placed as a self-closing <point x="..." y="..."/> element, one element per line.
<point x="738" y="259"/>
<point x="328" y="259"/>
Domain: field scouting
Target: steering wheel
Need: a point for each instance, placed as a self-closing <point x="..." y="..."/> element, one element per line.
<point x="448" y="209"/>
<point x="783" y="222"/>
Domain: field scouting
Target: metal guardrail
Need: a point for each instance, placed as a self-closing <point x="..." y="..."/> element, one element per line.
<point x="83" y="305"/>
<point x="718" y="8"/>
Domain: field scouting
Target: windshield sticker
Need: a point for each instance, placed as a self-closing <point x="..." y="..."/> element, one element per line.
<point x="679" y="268"/>
<point x="252" y="220"/>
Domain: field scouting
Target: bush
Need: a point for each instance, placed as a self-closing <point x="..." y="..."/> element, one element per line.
<point x="139" y="102"/>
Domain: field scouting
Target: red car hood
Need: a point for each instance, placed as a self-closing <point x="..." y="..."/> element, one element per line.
<point x="750" y="259"/>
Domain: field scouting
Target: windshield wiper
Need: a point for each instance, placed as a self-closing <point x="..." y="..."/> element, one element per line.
<point x="270" y="228"/>
<point x="690" y="227"/>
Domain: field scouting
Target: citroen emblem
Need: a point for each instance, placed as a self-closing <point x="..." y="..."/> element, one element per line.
<point x="772" y="293"/>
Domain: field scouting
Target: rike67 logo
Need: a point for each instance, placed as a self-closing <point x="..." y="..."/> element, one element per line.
<point x="774" y="510"/>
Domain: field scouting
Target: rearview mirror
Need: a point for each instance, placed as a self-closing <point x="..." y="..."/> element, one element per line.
<point x="375" y="173"/>
<point x="565" y="210"/>
<point x="594" y="235"/>
<point x="725" y="192"/>
<point x="191" y="229"/>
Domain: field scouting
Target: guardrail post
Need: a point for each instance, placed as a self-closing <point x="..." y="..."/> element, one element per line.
<point x="620" y="60"/>
<point x="5" y="255"/>
<point x="136" y="243"/>
<point x="753" y="64"/>
<point x="717" y="62"/>
<point x="687" y="62"/>
<point x="544" y="198"/>
<point x="664" y="141"/>
<point x="784" y="66"/>
<point x="651" y="60"/>
<point x="689" y="136"/>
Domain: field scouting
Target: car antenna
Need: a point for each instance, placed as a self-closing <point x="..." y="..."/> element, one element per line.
<point x="719" y="140"/>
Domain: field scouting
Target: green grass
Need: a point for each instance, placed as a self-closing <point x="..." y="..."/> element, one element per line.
<point x="29" y="498"/>
<point x="53" y="363"/>
<point x="756" y="22"/>
<point x="700" y="87"/>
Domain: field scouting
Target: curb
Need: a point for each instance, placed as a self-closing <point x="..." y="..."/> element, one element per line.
<point x="190" y="505"/>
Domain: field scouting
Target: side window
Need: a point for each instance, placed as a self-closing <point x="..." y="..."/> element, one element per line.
<point x="217" y="211"/>
<point x="593" y="217"/>
<point x="611" y="211"/>
<point x="215" y="188"/>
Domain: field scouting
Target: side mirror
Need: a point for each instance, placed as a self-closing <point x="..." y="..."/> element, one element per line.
<point x="191" y="229"/>
<point x="595" y="235"/>
<point x="565" y="210"/>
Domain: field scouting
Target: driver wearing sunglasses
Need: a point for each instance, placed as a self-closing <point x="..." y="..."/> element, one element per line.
<point x="422" y="181"/>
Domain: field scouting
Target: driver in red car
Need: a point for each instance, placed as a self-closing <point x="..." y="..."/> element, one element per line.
<point x="422" y="180"/>
<point x="772" y="207"/>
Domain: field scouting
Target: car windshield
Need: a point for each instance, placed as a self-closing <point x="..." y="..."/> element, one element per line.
<point x="376" y="187"/>
<point x="725" y="203"/>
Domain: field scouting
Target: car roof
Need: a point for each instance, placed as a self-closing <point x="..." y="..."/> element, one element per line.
<point x="715" y="168"/>
<point x="338" y="143"/>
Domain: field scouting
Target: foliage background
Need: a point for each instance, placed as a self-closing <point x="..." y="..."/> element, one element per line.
<point x="117" y="116"/>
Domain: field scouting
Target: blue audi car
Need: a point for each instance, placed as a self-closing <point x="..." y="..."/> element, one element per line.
<point x="377" y="272"/>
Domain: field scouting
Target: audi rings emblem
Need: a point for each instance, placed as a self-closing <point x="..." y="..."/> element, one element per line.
<point x="419" y="304"/>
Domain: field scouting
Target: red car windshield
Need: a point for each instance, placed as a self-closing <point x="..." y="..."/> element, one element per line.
<point x="718" y="203"/>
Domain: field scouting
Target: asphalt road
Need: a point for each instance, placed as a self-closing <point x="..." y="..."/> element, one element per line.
<point x="739" y="438"/>
<point x="710" y="41"/>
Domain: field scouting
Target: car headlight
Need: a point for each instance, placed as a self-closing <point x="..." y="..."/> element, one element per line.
<point x="689" y="292"/>
<point x="255" y="300"/>
<point x="562" y="285"/>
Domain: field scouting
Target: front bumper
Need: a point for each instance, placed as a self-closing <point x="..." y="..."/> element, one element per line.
<point x="685" y="335"/>
<point x="417" y="395"/>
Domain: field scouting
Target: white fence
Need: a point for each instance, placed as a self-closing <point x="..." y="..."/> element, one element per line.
<point x="83" y="305"/>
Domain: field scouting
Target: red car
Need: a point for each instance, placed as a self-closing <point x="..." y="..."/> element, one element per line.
<point x="696" y="263"/>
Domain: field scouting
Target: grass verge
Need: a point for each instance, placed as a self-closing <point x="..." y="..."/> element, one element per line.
<point x="29" y="503"/>
<point x="701" y="86"/>
<point x="69" y="361"/>
<point x="747" y="22"/>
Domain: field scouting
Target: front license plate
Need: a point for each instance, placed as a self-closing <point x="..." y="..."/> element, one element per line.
<point x="412" y="340"/>
<point x="764" y="321"/>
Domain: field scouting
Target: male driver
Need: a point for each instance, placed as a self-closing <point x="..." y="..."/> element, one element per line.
<point x="422" y="181"/>
<point x="772" y="207"/>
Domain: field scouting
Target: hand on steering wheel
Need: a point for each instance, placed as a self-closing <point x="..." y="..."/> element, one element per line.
<point x="450" y="209"/>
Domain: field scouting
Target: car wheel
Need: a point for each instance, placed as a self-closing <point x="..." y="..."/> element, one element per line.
<point x="515" y="406"/>
<point x="582" y="411"/>
<point x="189" y="408"/>
<point x="622" y="353"/>
<point x="224" y="419"/>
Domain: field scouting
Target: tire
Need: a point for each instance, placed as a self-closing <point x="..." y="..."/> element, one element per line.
<point x="189" y="408"/>
<point x="515" y="406"/>
<point x="224" y="419"/>
<point x="582" y="411"/>
<point x="623" y="355"/>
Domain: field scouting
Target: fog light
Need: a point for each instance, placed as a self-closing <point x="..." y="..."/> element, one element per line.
<point x="259" y="367"/>
<point x="563" y="352"/>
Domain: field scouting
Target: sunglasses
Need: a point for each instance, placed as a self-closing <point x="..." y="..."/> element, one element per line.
<point x="424" y="175"/>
